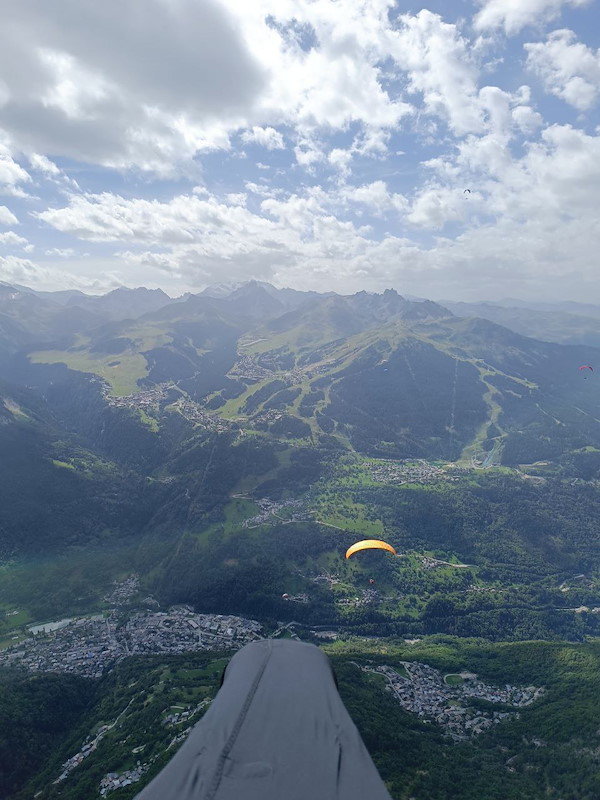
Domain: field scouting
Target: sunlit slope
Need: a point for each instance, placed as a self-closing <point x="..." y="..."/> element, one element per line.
<point x="382" y="375"/>
<point x="541" y="404"/>
<point x="434" y="388"/>
<point x="195" y="348"/>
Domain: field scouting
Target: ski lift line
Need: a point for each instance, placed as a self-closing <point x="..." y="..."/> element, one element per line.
<point x="453" y="410"/>
<point x="189" y="512"/>
<point x="413" y="376"/>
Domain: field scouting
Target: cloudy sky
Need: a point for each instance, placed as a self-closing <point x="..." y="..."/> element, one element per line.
<point x="451" y="151"/>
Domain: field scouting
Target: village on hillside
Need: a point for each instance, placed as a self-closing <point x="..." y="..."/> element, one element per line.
<point x="425" y="691"/>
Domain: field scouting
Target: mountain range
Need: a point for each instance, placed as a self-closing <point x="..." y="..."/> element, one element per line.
<point x="380" y="374"/>
<point x="98" y="391"/>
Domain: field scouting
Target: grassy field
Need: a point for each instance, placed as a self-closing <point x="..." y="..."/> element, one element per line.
<point x="151" y="422"/>
<point x="122" y="372"/>
<point x="344" y="513"/>
<point x="62" y="464"/>
<point x="454" y="680"/>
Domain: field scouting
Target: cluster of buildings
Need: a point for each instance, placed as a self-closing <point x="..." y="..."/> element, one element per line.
<point x="428" y="562"/>
<point x="327" y="578"/>
<point x="296" y="598"/>
<point x="368" y="597"/>
<point x="147" y="398"/>
<point x="425" y="693"/>
<point x="180" y="737"/>
<point x="326" y="636"/>
<point x="196" y="414"/>
<point x="114" y="780"/>
<point x="91" y="646"/>
<point x="410" y="471"/>
<point x="182" y="631"/>
<point x="482" y="589"/>
<point x="185" y="715"/>
<point x="268" y="417"/>
<point x="246" y="367"/>
<point x="269" y="512"/>
<point x="124" y="590"/>
<point x="90" y="744"/>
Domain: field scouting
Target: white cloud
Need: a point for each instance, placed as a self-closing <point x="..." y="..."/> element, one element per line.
<point x="376" y="197"/>
<point x="14" y="269"/>
<point x="237" y="198"/>
<point x="439" y="66"/>
<point x="164" y="262"/>
<point x="19" y="270"/>
<point x="526" y="119"/>
<point x="102" y="84"/>
<point x="43" y="164"/>
<point x="105" y="100"/>
<point x="567" y="68"/>
<point x="340" y="160"/>
<point x="183" y="220"/>
<point x="514" y="15"/>
<point x="528" y="222"/>
<point x="267" y="137"/>
<point x="11" y="239"/>
<point x="196" y="239"/>
<point x="11" y="174"/>
<point x="372" y="141"/>
<point x="334" y="83"/>
<point x="309" y="151"/>
<point x="435" y="206"/>
<point x="262" y="189"/>
<point x="47" y="277"/>
<point x="7" y="217"/>
<point x="64" y="252"/>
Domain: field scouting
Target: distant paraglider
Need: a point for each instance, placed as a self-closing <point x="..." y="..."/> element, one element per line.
<point x="584" y="368"/>
<point x="369" y="544"/>
<point x="371" y="581"/>
<point x="467" y="190"/>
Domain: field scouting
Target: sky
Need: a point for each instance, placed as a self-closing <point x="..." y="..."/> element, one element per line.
<point x="449" y="152"/>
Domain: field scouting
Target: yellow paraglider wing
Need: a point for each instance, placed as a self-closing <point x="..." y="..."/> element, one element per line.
<point x="368" y="544"/>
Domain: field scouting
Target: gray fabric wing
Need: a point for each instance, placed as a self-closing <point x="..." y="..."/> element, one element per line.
<point x="277" y="730"/>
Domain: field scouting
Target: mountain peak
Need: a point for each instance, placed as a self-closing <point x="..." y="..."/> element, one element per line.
<point x="127" y="291"/>
<point x="123" y="302"/>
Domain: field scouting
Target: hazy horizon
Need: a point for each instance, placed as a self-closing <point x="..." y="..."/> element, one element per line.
<point x="506" y="301"/>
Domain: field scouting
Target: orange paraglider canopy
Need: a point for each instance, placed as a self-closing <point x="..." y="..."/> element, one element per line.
<point x="369" y="544"/>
